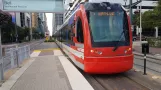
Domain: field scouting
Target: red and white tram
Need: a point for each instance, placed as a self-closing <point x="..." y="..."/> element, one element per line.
<point x="98" y="38"/>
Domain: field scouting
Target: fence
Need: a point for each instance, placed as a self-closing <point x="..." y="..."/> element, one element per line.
<point x="14" y="56"/>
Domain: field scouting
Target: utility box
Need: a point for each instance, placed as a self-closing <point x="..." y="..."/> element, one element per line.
<point x="145" y="48"/>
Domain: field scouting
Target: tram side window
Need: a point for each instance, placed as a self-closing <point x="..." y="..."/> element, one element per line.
<point x="79" y="28"/>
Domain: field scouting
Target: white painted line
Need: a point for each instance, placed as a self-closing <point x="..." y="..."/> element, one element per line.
<point x="57" y="53"/>
<point x="155" y="77"/>
<point x="35" y="54"/>
<point x="12" y="80"/>
<point x="76" y="79"/>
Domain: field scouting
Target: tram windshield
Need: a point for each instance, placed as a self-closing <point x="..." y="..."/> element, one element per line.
<point x="107" y="28"/>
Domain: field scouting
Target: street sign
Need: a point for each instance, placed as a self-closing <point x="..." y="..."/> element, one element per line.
<point x="33" y="5"/>
<point x="47" y="38"/>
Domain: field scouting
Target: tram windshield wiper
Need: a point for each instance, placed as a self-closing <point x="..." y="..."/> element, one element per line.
<point x="117" y="44"/>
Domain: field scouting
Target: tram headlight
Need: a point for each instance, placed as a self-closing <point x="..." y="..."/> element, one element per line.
<point x="125" y="51"/>
<point x="92" y="51"/>
<point x="129" y="49"/>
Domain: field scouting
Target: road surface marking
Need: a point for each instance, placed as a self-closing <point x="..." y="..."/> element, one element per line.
<point x="155" y="77"/>
<point x="35" y="53"/>
<point x="57" y="52"/>
<point x="76" y="79"/>
<point x="48" y="49"/>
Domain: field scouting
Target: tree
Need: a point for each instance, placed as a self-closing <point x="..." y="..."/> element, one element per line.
<point x="150" y="19"/>
<point x="35" y="34"/>
<point x="8" y="32"/>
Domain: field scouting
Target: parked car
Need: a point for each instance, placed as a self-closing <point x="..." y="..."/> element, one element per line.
<point x="143" y="38"/>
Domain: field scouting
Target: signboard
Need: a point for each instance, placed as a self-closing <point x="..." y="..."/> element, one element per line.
<point x="47" y="38"/>
<point x="33" y="5"/>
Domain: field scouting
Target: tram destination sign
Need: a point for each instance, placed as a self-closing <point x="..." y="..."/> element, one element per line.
<point x="33" y="5"/>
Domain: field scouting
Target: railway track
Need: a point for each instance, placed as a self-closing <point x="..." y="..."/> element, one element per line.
<point x="153" y="65"/>
<point x="116" y="82"/>
<point x="122" y="81"/>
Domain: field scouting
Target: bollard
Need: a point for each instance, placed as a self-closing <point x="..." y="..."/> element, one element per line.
<point x="145" y="62"/>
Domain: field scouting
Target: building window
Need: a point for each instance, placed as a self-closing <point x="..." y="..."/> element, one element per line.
<point x="22" y="17"/>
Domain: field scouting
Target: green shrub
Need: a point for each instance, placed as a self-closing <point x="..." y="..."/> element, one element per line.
<point x="154" y="42"/>
<point x="50" y="40"/>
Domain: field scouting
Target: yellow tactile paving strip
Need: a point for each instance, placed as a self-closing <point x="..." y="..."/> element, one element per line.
<point x="43" y="52"/>
<point x="49" y="49"/>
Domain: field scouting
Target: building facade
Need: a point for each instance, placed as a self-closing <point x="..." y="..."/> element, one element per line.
<point x="23" y="19"/>
<point x="58" y="20"/>
<point x="42" y="23"/>
<point x="34" y="20"/>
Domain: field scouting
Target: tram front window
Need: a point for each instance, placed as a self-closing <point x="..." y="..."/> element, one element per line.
<point x="107" y="28"/>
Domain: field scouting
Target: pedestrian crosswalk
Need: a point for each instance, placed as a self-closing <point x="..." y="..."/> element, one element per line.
<point x="44" y="52"/>
<point x="35" y="54"/>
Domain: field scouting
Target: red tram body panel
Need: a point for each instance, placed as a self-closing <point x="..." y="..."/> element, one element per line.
<point x="98" y="38"/>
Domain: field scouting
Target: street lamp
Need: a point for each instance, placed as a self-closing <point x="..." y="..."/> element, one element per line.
<point x="140" y="20"/>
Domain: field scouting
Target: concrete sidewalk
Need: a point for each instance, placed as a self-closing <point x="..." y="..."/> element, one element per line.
<point x="49" y="69"/>
<point x="45" y="73"/>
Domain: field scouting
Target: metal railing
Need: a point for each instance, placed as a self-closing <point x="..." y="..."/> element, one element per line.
<point x="15" y="56"/>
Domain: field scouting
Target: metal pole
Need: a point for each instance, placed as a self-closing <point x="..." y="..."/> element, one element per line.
<point x="145" y="61"/>
<point x="31" y="28"/>
<point x="140" y="21"/>
<point x="1" y="59"/>
<point x="131" y="11"/>
<point x="16" y="29"/>
<point x="31" y="34"/>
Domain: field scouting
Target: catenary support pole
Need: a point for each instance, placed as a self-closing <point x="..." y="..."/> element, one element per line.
<point x="140" y="22"/>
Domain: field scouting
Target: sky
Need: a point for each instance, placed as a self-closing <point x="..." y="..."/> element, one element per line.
<point x="50" y="16"/>
<point x="49" y="22"/>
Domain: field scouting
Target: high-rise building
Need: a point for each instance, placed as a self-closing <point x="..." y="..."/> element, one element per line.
<point x="23" y="19"/>
<point x="34" y="20"/>
<point x="45" y="23"/>
<point x="57" y="21"/>
<point x="42" y="23"/>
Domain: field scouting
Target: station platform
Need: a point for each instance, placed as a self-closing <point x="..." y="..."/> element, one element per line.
<point x="49" y="69"/>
